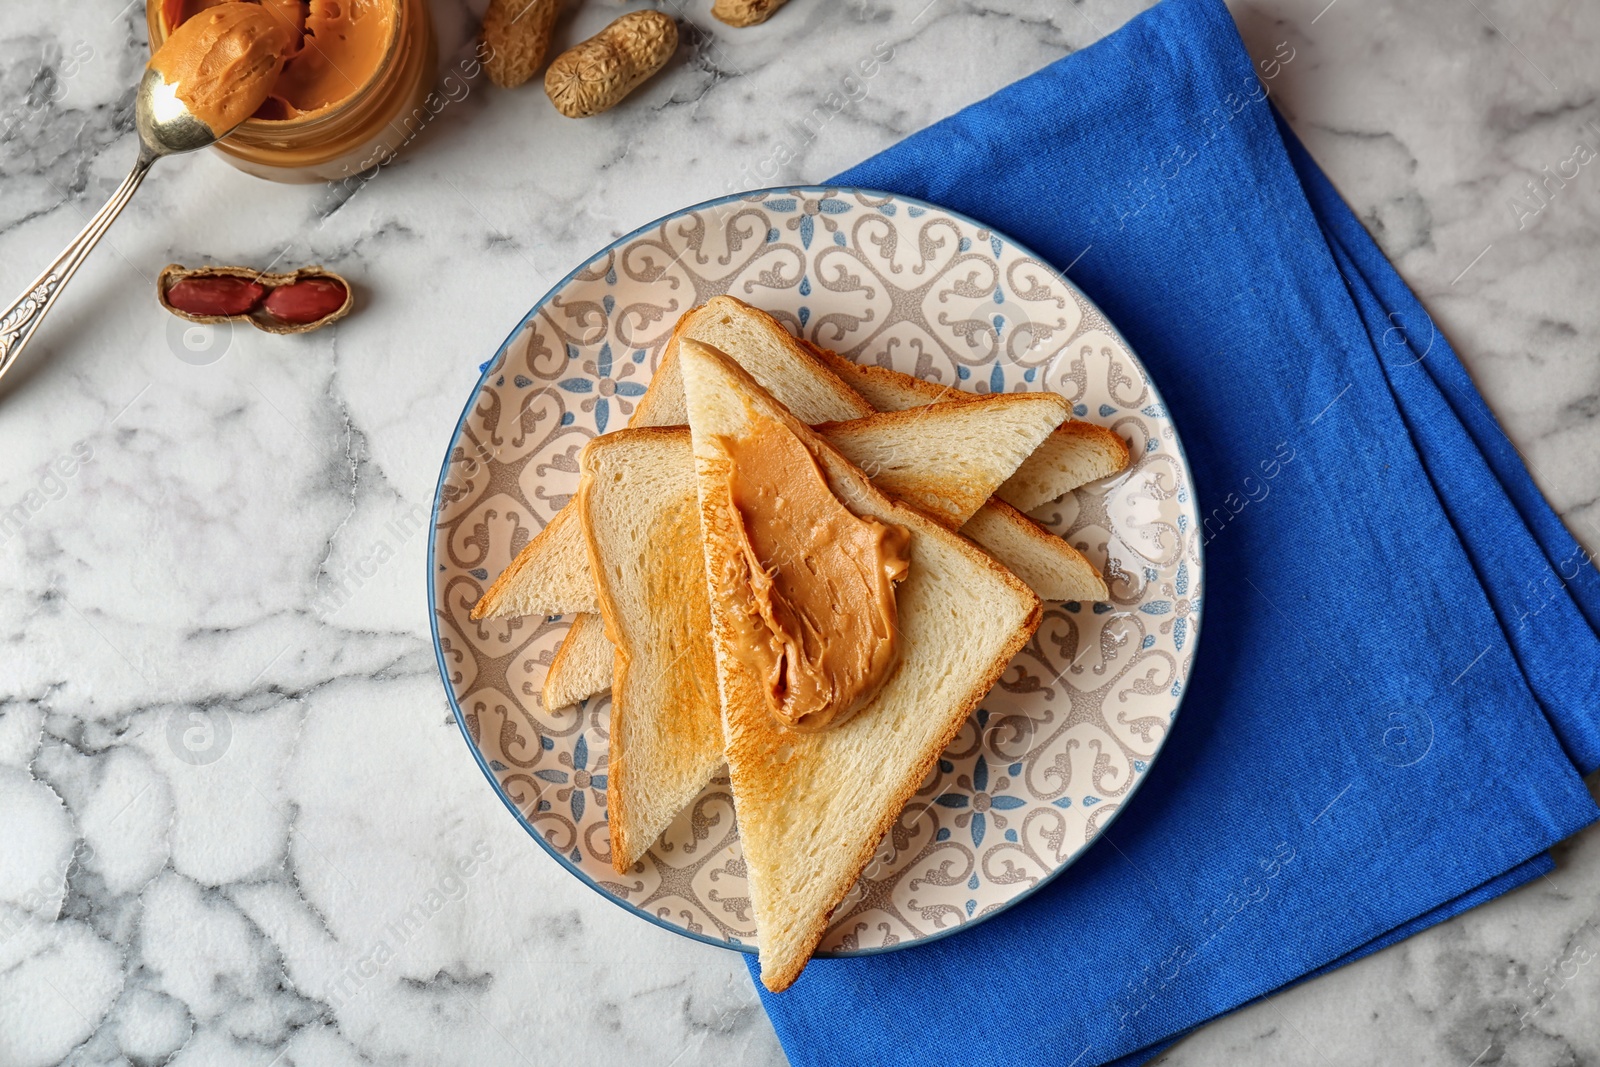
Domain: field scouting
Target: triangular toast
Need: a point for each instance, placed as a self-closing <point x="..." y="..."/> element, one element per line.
<point x="583" y="664"/>
<point x="947" y="459"/>
<point x="549" y="577"/>
<point x="1076" y="454"/>
<point x="783" y="364"/>
<point x="666" y="736"/>
<point x="813" y="806"/>
<point x="1048" y="564"/>
<point x="639" y="509"/>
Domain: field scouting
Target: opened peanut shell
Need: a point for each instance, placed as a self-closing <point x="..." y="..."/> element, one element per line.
<point x="294" y="302"/>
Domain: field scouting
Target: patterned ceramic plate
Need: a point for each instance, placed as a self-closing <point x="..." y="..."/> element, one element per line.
<point x="1056" y="749"/>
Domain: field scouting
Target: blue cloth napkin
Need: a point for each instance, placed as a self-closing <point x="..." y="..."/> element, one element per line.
<point x="1396" y="686"/>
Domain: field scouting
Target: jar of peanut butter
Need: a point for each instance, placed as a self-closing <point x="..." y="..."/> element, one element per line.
<point x="351" y="92"/>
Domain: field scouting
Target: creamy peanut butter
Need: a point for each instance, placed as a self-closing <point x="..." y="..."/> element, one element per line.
<point x="224" y="62"/>
<point x="335" y="48"/>
<point x="822" y="631"/>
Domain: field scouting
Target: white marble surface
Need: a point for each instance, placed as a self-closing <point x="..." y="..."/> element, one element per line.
<point x="233" y="827"/>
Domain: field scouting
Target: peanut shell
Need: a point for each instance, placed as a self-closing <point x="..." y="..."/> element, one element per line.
<point x="173" y="273"/>
<point x="518" y="35"/>
<point x="745" y="12"/>
<point x="594" y="76"/>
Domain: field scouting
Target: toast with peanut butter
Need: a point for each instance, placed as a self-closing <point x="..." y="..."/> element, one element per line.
<point x="643" y="555"/>
<point x="1076" y="454"/>
<point x="827" y="736"/>
<point x="946" y="459"/>
<point x="549" y="576"/>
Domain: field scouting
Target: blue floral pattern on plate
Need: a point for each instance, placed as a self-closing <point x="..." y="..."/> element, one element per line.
<point x="1077" y="718"/>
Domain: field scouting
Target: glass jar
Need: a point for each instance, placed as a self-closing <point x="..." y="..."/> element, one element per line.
<point x="363" y="130"/>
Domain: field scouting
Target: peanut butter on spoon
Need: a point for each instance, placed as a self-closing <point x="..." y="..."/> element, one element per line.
<point x="336" y="48"/>
<point x="224" y="61"/>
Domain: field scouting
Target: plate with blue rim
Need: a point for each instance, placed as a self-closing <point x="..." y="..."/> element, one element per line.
<point x="1062" y="742"/>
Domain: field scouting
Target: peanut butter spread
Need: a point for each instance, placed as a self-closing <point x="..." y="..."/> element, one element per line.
<point x="333" y="48"/>
<point x="224" y="62"/>
<point x="822" y="630"/>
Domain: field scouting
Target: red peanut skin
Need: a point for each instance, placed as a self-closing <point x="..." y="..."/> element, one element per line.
<point x="306" y="301"/>
<point x="216" y="294"/>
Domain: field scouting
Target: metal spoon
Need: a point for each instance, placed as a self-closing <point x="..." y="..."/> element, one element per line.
<point x="166" y="127"/>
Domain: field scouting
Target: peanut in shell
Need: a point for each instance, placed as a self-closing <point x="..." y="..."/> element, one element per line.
<point x="594" y="76"/>
<point x="517" y="33"/>
<point x="259" y="313"/>
<point x="745" y="12"/>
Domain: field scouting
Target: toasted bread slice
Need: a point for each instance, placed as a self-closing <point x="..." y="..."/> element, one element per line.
<point x="550" y="575"/>
<point x="641" y="520"/>
<point x="1076" y="454"/>
<point x="1033" y="553"/>
<point x="971" y="446"/>
<point x="943" y="458"/>
<point x="1051" y="567"/>
<point x="785" y="366"/>
<point x="813" y="806"/>
<point x="946" y="459"/>
<point x="543" y="579"/>
<point x="583" y="663"/>
<point x="641" y="554"/>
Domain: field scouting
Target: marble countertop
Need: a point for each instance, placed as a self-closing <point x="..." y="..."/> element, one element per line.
<point x="235" y="829"/>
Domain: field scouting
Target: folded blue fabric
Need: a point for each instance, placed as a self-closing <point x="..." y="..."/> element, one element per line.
<point x="1396" y="690"/>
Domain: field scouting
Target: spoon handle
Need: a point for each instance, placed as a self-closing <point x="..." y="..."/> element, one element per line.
<point x="22" y="318"/>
